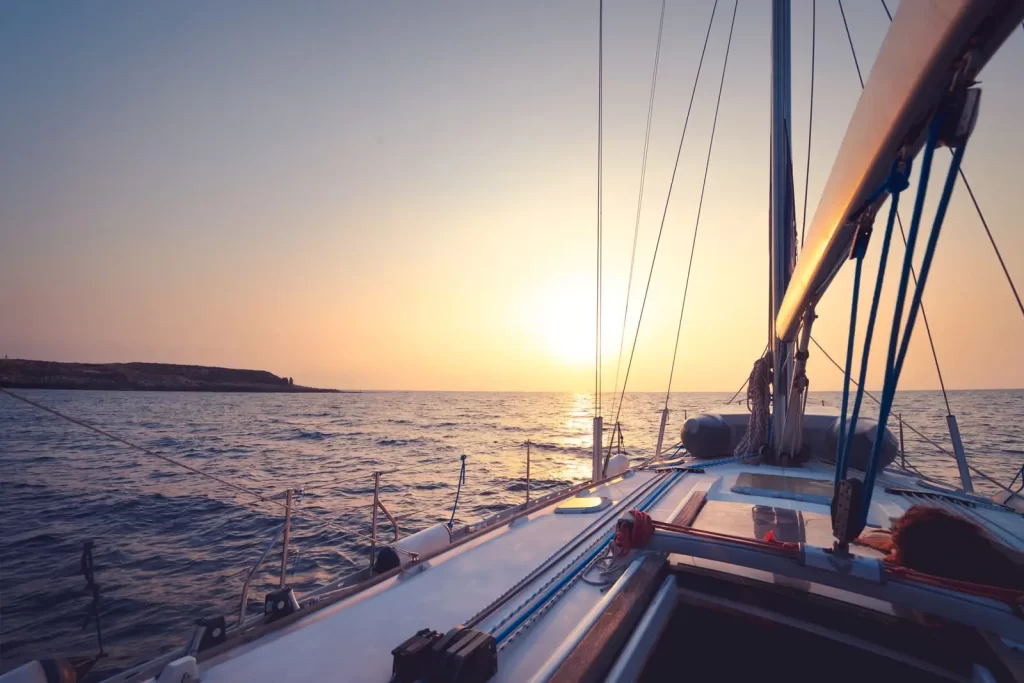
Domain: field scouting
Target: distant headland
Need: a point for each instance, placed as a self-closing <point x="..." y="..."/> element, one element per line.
<point x="41" y="374"/>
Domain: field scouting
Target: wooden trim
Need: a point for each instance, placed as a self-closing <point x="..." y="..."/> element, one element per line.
<point x="591" y="659"/>
<point x="688" y="514"/>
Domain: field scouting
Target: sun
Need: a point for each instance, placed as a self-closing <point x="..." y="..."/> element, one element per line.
<point x="565" y="323"/>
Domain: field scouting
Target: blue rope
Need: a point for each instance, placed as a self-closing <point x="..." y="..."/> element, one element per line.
<point x="549" y="591"/>
<point x="462" y="478"/>
<point x="895" y="185"/>
<point x="841" y="466"/>
<point x="929" y="254"/>
<point x="898" y="347"/>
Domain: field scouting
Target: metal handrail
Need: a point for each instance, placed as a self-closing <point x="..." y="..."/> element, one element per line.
<point x="252" y="572"/>
<point x="378" y="503"/>
<point x="1019" y="475"/>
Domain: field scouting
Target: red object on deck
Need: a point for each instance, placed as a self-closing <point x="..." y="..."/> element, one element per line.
<point x="635" y="535"/>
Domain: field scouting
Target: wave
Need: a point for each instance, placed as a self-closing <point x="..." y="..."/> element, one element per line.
<point x="399" y="442"/>
<point x="175" y="537"/>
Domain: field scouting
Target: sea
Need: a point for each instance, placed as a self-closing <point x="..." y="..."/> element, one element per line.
<point x="171" y="546"/>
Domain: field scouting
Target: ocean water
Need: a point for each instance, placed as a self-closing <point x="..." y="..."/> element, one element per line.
<point x="172" y="546"/>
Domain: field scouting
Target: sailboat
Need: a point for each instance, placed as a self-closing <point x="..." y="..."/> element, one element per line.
<point x="738" y="553"/>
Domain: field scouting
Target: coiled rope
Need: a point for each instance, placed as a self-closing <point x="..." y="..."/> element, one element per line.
<point x="758" y="401"/>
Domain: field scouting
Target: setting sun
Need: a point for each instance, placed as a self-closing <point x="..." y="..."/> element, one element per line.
<point x="565" y="323"/>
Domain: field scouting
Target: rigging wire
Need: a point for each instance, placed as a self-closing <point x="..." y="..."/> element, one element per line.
<point x="981" y="216"/>
<point x="927" y="327"/>
<point x="743" y="386"/>
<point x="664" y="214"/>
<point x="700" y="203"/>
<point x="244" y="490"/>
<point x="849" y="37"/>
<point x="640" y="194"/>
<point x="991" y="239"/>
<point x="810" y="119"/>
<point x="600" y="167"/>
<point x="903" y="234"/>
<point x="911" y="427"/>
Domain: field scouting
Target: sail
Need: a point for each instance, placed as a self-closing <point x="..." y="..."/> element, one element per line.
<point x="913" y="70"/>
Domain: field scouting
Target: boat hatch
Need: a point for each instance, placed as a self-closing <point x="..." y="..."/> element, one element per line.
<point x="753" y="521"/>
<point x="583" y="505"/>
<point x="765" y="521"/>
<point x="790" y="488"/>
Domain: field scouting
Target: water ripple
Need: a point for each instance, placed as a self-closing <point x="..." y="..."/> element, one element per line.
<point x="171" y="547"/>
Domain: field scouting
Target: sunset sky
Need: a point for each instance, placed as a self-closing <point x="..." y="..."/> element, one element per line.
<point x="401" y="195"/>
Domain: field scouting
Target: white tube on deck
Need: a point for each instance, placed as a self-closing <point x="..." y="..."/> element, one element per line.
<point x="430" y="540"/>
<point x="961" y="457"/>
<point x="637" y="650"/>
<point x="598" y="462"/>
<point x="661" y="432"/>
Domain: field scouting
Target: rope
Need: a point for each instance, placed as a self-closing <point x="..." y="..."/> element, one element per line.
<point x="700" y="203"/>
<point x="810" y="119"/>
<point x="760" y="413"/>
<point x="640" y="193"/>
<point x="896" y="183"/>
<point x="849" y="37"/>
<point x="913" y="272"/>
<point x="896" y="357"/>
<point x="609" y="568"/>
<point x="927" y="326"/>
<point x="635" y="534"/>
<point x="742" y="386"/>
<point x="89" y="572"/>
<point x="220" y="480"/>
<point x="703" y="465"/>
<point x="458" y="492"/>
<point x="984" y="224"/>
<point x="1009" y="596"/>
<point x="664" y="214"/>
<point x="912" y="428"/>
<point x="851" y="337"/>
<point x="600" y="178"/>
<point x="142" y="449"/>
<point x="334" y="483"/>
<point x="992" y="239"/>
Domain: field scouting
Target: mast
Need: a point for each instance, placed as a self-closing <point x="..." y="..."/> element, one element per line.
<point x="782" y="235"/>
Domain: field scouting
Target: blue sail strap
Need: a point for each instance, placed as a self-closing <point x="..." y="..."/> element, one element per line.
<point x="895" y="184"/>
<point x="898" y="344"/>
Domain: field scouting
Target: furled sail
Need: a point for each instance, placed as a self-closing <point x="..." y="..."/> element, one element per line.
<point x="926" y="45"/>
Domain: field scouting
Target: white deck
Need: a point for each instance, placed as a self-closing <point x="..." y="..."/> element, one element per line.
<point x="352" y="640"/>
<point x="355" y="637"/>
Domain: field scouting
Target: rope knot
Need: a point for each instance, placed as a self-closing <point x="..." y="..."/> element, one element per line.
<point x="635" y="533"/>
<point x="758" y="401"/>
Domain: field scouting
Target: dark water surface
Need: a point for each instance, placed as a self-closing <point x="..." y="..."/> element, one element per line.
<point x="172" y="546"/>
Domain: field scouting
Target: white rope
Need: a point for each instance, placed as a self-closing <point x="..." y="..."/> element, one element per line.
<point x="758" y="399"/>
